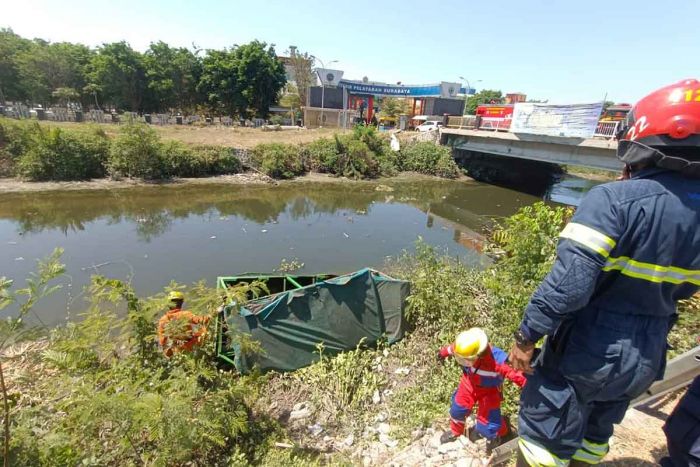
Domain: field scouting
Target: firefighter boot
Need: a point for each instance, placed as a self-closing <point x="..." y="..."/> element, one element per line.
<point x="448" y="437"/>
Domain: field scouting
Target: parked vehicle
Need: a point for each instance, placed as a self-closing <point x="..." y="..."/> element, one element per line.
<point x="429" y="126"/>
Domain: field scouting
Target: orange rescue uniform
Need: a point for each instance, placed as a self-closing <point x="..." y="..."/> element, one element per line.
<point x="196" y="331"/>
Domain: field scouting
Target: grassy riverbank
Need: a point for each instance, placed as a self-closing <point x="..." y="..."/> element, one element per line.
<point x="99" y="392"/>
<point x="592" y="174"/>
<point x="34" y="152"/>
<point x="231" y="136"/>
<point x="14" y="185"/>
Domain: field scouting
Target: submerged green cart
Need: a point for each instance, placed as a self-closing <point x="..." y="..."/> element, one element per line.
<point x="304" y="311"/>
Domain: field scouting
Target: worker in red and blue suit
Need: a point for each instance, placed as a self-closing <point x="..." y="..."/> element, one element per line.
<point x="628" y="255"/>
<point x="483" y="369"/>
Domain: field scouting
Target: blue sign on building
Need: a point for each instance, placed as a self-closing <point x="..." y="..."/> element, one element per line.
<point x="431" y="90"/>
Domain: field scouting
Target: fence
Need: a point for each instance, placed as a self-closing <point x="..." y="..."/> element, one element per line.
<point x="315" y="117"/>
<point x="470" y="122"/>
<point x="606" y="129"/>
<point x="495" y="123"/>
<point x="65" y="114"/>
<point x="467" y="121"/>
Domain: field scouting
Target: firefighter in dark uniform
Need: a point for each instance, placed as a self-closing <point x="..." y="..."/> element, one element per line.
<point x="630" y="252"/>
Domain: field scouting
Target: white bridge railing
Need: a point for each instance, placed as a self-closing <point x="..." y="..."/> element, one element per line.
<point x="606" y="129"/>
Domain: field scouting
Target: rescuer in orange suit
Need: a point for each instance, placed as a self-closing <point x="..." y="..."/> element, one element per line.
<point x="184" y="335"/>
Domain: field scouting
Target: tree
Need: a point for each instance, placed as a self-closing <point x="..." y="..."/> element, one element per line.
<point x="118" y="70"/>
<point x="172" y="75"/>
<point x="290" y="98"/>
<point x="219" y="83"/>
<point x="65" y="95"/>
<point x="243" y="80"/>
<point x="485" y="96"/>
<point x="260" y="76"/>
<point x="45" y="67"/>
<point x="11" y="45"/>
<point x="393" y="106"/>
<point x="93" y="89"/>
<point x="302" y="68"/>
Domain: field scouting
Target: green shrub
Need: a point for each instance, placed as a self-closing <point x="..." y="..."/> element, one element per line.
<point x="278" y="160"/>
<point x="527" y="242"/>
<point x="55" y="154"/>
<point x="218" y="160"/>
<point x="15" y="139"/>
<point x="429" y="158"/>
<point x="446" y="295"/>
<point x="136" y="152"/>
<point x="321" y="156"/>
<point x="358" y="161"/>
<point x="344" y="382"/>
<point x="387" y="159"/>
<point x="179" y="160"/>
<point x="107" y="396"/>
<point x="277" y="120"/>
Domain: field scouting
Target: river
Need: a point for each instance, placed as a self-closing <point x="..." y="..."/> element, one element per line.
<point x="155" y="235"/>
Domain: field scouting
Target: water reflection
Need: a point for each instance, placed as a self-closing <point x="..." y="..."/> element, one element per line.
<point x="569" y="190"/>
<point x="184" y="233"/>
<point x="153" y="209"/>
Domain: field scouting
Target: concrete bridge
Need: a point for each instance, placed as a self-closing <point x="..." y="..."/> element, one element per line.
<point x="594" y="153"/>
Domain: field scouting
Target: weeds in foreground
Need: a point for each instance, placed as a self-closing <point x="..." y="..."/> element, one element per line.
<point x="344" y="383"/>
<point x="102" y="393"/>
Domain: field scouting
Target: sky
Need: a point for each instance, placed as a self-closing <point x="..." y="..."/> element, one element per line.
<point x="566" y="51"/>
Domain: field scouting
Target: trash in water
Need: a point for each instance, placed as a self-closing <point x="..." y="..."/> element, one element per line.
<point x="19" y="259"/>
<point x="346" y="235"/>
<point x="213" y="236"/>
<point x="264" y="230"/>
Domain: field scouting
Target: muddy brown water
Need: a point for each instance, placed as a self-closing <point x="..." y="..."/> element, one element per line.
<point x="155" y="235"/>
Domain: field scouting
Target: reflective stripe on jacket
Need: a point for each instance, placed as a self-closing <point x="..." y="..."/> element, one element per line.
<point x="632" y="249"/>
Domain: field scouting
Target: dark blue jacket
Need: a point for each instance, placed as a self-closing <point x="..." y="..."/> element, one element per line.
<point x="683" y="428"/>
<point x="630" y="252"/>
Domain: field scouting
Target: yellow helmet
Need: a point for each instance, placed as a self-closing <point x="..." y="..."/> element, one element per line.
<point x="176" y="295"/>
<point x="470" y="344"/>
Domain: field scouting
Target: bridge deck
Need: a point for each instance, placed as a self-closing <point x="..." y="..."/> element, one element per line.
<point x="595" y="153"/>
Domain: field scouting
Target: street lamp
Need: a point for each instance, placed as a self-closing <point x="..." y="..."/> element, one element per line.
<point x="466" y="97"/>
<point x="323" y="87"/>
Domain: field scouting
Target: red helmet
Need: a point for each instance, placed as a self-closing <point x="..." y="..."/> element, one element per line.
<point x="664" y="128"/>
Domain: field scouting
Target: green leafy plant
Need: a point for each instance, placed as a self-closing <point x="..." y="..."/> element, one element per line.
<point x="54" y="154"/>
<point x="428" y="158"/>
<point x="321" y="155"/>
<point x="344" y="382"/>
<point x="13" y="329"/>
<point x="278" y="160"/>
<point x="136" y="152"/>
<point x="110" y="397"/>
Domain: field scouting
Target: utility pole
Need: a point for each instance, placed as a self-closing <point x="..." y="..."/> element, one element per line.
<point x="466" y="96"/>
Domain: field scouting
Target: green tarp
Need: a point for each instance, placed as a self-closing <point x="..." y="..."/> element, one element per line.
<point x="337" y="312"/>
